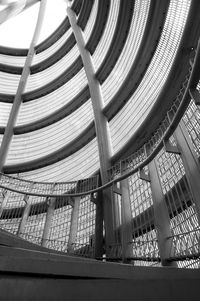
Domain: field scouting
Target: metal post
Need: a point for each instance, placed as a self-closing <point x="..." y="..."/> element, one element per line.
<point x="74" y="225"/>
<point x="190" y="162"/>
<point x="161" y="216"/>
<point x="21" y="87"/>
<point x="26" y="211"/>
<point x="49" y="217"/>
<point x="98" y="245"/>
<point x="101" y="126"/>
<point x="4" y="201"/>
<point x="25" y="215"/>
<point x="127" y="235"/>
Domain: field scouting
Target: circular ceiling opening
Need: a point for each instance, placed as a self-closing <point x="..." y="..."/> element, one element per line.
<point x="17" y="31"/>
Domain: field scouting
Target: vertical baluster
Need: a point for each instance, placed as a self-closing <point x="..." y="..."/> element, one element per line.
<point x="25" y="213"/>
<point x="74" y="225"/>
<point x="98" y="252"/>
<point x="161" y="216"/>
<point x="6" y="195"/>
<point x="49" y="216"/>
<point x="126" y="217"/>
<point x="190" y="162"/>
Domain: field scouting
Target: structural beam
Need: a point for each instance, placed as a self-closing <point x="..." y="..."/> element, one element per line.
<point x="26" y="212"/>
<point x="102" y="132"/>
<point x="47" y="226"/>
<point x="98" y="245"/>
<point x="21" y="87"/>
<point x="25" y="215"/>
<point x="126" y="217"/>
<point x="161" y="216"/>
<point x="74" y="225"/>
<point x="190" y="162"/>
<point x="104" y="144"/>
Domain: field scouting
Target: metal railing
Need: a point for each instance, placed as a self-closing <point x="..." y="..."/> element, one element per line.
<point x="25" y="204"/>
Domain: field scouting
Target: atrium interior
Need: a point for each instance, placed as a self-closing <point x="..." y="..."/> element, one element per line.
<point x="100" y="151"/>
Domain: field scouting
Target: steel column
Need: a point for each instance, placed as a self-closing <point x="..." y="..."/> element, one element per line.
<point x="161" y="216"/>
<point x="74" y="225"/>
<point x="102" y="132"/>
<point x="21" y="87"/>
<point x="126" y="215"/>
<point x="98" y="245"/>
<point x="47" y="225"/>
<point x="25" y="216"/>
<point x="190" y="162"/>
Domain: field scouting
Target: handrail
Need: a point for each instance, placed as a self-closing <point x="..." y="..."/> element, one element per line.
<point x="173" y="122"/>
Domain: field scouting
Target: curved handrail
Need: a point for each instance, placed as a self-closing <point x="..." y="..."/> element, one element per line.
<point x="172" y="124"/>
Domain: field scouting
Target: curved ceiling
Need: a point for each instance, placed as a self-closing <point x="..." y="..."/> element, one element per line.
<point x="140" y="52"/>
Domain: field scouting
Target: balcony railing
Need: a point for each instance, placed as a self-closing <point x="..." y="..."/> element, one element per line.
<point x="63" y="216"/>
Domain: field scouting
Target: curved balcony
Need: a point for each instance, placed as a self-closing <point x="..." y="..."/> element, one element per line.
<point x="146" y="55"/>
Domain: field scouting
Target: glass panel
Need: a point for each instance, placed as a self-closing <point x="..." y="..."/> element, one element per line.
<point x="4" y="113"/>
<point x="129" y="52"/>
<point x="192" y="122"/>
<point x="91" y="21"/>
<point x="81" y="164"/>
<point x="37" y="108"/>
<point x="106" y="38"/>
<point x="33" y="145"/>
<point x="131" y="116"/>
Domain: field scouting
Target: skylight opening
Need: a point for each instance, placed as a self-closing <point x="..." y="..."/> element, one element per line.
<point x="17" y="32"/>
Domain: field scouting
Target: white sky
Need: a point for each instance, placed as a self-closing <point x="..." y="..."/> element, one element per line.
<point x="18" y="31"/>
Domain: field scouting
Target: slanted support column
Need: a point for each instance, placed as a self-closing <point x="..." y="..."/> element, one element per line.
<point x="161" y="216"/>
<point x="190" y="162"/>
<point x="21" y="87"/>
<point x="96" y="97"/>
<point x="25" y="215"/>
<point x="126" y="215"/>
<point x="74" y="225"/>
<point x="47" y="226"/>
<point x="102" y="132"/>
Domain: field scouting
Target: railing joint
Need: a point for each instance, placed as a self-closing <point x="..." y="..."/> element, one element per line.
<point x="144" y="176"/>
<point x="170" y="148"/>
<point x="116" y="190"/>
<point x="195" y="95"/>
